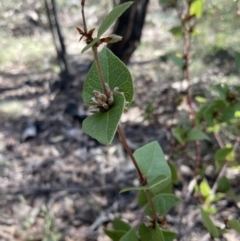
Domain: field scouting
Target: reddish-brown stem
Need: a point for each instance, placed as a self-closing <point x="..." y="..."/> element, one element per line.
<point x="83" y="17"/>
<point x="94" y="48"/>
<point x="155" y="217"/>
<point x="142" y="178"/>
<point x="186" y="76"/>
<point x="186" y="73"/>
<point x="219" y="140"/>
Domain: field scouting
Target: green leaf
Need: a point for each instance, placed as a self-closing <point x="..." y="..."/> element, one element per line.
<point x="195" y="134"/>
<point x="237" y="60"/>
<point x="115" y="235"/>
<point x="174" y="173"/>
<point x="130" y="235"/>
<point x="227" y="113"/>
<point x="234" y="224"/>
<point x="200" y="99"/>
<point x="233" y="196"/>
<point x="170" y="2"/>
<point x="115" y="73"/>
<point x="89" y="45"/>
<point x="162" y="203"/>
<point x="205" y="188"/>
<point x="150" y="233"/>
<point x="103" y="126"/>
<point x="210" y="209"/>
<point x="213" y="112"/>
<point x="224" y="184"/>
<point x="179" y="133"/>
<point x="237" y="108"/>
<point x="223" y="155"/>
<point x="208" y="114"/>
<point x="196" y="8"/>
<point x="217" y="197"/>
<point x="177" y="31"/>
<point x="112" y="17"/>
<point x="207" y="222"/>
<point x="159" y="182"/>
<point x="237" y="114"/>
<point x="215" y="128"/>
<point x="222" y="90"/>
<point x="176" y="59"/>
<point x="118" y="224"/>
<point x="168" y="235"/>
<point x="153" y="164"/>
<point x="142" y="198"/>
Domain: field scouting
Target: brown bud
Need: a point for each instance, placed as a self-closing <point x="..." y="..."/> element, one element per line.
<point x="110" y="100"/>
<point x="90" y="32"/>
<point x="116" y="89"/>
<point x="113" y="38"/>
<point x="103" y="97"/>
<point x="94" y="101"/>
<point x="97" y="93"/>
<point x="80" y="31"/>
<point x="105" y="106"/>
<point x="108" y="88"/>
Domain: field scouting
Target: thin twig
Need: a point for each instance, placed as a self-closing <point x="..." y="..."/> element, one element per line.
<point x="224" y="167"/>
<point x="186" y="76"/>
<point x="142" y="178"/>
<point x="186" y="72"/>
<point x="95" y="52"/>
<point x="219" y="140"/>
<point x="83" y="16"/>
<point x="221" y="173"/>
<point x="155" y="217"/>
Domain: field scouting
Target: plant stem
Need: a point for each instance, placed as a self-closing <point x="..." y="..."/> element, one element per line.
<point x="224" y="168"/>
<point x="186" y="76"/>
<point x="155" y="217"/>
<point x="219" y="140"/>
<point x="142" y="178"/>
<point x="83" y="17"/>
<point x="186" y="73"/>
<point x="95" y="52"/>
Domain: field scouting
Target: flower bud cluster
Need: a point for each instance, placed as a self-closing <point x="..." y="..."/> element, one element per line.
<point x="102" y="102"/>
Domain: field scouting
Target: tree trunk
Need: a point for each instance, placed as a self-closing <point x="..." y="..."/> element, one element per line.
<point x="58" y="38"/>
<point x="129" y="26"/>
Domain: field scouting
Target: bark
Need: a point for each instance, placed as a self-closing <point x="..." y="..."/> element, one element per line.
<point x="58" y="38"/>
<point x="129" y="26"/>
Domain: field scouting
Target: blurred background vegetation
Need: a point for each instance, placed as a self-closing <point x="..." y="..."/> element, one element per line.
<point x="26" y="40"/>
<point x="31" y="70"/>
